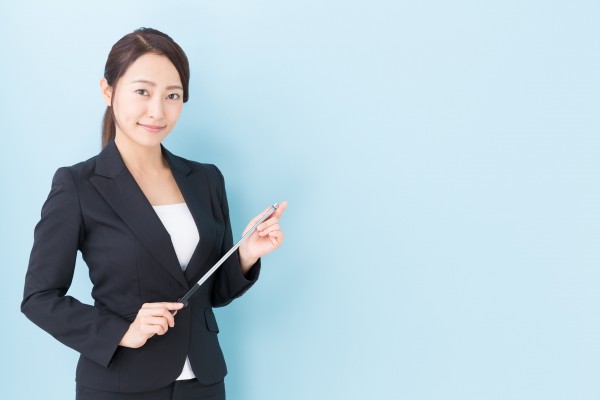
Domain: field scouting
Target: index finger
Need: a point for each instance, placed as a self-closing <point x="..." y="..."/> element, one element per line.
<point x="279" y="210"/>
<point x="163" y="304"/>
<point x="259" y="216"/>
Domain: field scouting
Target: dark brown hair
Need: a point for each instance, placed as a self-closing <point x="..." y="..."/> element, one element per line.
<point x="126" y="51"/>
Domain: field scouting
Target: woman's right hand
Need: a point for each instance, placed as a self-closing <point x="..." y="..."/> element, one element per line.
<point x="152" y="319"/>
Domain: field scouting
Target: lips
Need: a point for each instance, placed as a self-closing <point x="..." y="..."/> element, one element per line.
<point x="152" y="128"/>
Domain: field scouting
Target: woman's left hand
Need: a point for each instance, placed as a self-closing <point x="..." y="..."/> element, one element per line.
<point x="266" y="238"/>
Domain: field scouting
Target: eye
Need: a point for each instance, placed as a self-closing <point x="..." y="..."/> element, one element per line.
<point x="173" y="96"/>
<point x="143" y="92"/>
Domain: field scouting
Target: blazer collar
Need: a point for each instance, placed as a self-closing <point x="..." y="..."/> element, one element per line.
<point x="109" y="162"/>
<point x="127" y="199"/>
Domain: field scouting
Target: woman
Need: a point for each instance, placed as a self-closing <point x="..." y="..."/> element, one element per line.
<point x="149" y="224"/>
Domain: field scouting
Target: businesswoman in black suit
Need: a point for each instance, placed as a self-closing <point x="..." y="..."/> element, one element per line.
<point x="148" y="224"/>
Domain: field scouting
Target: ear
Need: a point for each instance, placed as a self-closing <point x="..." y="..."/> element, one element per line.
<point x="107" y="91"/>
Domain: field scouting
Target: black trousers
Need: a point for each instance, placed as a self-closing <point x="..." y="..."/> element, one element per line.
<point x="189" y="389"/>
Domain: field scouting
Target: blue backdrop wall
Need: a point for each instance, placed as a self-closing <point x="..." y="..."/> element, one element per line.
<point x="441" y="163"/>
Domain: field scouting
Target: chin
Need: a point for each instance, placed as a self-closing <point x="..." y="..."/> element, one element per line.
<point x="146" y="140"/>
<point x="149" y="139"/>
<point x="138" y="136"/>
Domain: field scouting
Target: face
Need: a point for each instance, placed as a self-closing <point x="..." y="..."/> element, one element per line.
<point x="147" y="100"/>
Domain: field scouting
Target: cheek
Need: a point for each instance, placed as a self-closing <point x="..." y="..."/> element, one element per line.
<point x="174" y="111"/>
<point x="127" y="108"/>
<point x="130" y="110"/>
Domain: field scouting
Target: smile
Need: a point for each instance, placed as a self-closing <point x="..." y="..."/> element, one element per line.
<point x="152" y="128"/>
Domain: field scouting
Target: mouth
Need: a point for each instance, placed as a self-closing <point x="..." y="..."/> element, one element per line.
<point x="152" y="128"/>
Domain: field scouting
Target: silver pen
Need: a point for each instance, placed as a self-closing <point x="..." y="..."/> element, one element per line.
<point x="185" y="299"/>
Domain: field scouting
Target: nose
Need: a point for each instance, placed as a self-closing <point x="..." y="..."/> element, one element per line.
<point x="155" y="108"/>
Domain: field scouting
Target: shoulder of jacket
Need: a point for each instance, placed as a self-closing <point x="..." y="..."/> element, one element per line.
<point x="211" y="170"/>
<point x="80" y="170"/>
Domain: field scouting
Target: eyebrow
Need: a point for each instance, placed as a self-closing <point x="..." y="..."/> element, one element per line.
<point x="154" y="84"/>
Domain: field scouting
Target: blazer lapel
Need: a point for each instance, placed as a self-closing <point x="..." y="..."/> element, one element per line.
<point x="118" y="187"/>
<point x="195" y="188"/>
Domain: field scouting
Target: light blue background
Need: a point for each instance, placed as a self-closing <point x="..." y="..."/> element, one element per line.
<point x="441" y="163"/>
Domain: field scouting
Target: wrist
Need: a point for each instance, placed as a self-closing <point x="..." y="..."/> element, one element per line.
<point x="125" y="339"/>
<point x="246" y="261"/>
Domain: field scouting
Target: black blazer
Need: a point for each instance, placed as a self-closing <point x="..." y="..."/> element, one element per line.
<point x="97" y="207"/>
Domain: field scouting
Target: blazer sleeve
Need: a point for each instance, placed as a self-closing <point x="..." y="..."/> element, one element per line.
<point x="230" y="283"/>
<point x="93" y="332"/>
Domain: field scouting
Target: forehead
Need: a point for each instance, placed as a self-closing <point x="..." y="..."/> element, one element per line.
<point x="155" y="68"/>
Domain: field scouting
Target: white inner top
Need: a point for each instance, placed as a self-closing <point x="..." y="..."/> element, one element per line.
<point x="178" y="221"/>
<point x="180" y="224"/>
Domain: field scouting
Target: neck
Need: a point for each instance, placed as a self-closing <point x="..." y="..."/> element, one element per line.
<point x="138" y="158"/>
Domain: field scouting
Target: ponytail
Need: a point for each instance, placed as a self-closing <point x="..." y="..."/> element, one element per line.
<point x="108" y="127"/>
